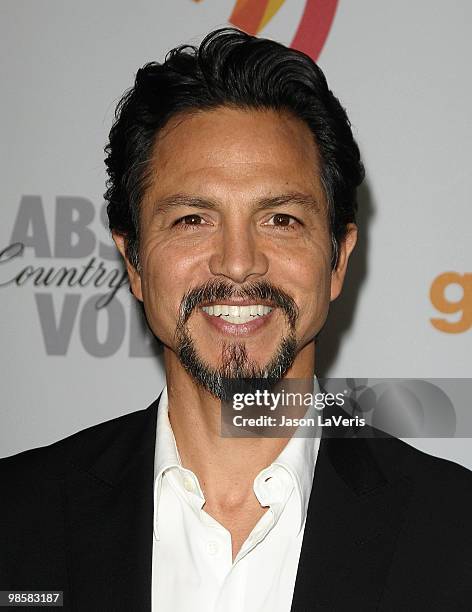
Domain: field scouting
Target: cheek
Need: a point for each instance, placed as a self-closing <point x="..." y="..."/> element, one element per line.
<point x="167" y="274"/>
<point x="315" y="290"/>
<point x="160" y="288"/>
<point x="312" y="286"/>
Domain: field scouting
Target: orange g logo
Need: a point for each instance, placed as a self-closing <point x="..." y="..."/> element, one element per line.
<point x="253" y="15"/>
<point x="441" y="302"/>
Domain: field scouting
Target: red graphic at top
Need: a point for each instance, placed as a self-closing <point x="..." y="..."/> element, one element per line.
<point x="310" y="36"/>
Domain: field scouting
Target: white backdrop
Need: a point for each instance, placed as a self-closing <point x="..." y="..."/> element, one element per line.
<point x="402" y="69"/>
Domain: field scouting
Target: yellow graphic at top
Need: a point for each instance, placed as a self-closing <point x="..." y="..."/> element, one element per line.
<point x="271" y="8"/>
<point x="253" y="15"/>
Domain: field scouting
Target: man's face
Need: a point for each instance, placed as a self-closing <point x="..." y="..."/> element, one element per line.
<point x="235" y="245"/>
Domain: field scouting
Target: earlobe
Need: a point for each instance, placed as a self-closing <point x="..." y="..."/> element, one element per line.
<point x="133" y="275"/>
<point x="346" y="246"/>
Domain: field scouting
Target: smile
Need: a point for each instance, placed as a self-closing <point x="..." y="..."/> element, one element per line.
<point x="237" y="315"/>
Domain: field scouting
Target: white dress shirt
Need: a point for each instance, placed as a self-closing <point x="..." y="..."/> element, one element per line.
<point x="192" y="566"/>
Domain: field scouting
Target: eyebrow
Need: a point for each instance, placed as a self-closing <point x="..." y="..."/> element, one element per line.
<point x="176" y="200"/>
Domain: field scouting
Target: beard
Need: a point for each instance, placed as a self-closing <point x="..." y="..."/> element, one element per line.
<point x="236" y="366"/>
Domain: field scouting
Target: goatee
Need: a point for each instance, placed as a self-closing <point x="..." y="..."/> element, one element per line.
<point x="235" y="363"/>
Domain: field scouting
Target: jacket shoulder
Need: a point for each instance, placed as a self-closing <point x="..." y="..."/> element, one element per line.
<point x="399" y="456"/>
<point x="441" y="487"/>
<point x="50" y="461"/>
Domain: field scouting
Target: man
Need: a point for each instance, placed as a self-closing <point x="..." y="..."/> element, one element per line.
<point x="232" y="198"/>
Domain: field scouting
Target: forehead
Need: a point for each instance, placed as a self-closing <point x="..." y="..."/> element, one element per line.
<point x="236" y="148"/>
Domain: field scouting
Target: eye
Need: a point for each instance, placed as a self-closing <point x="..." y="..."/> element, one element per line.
<point x="283" y="221"/>
<point x="189" y="220"/>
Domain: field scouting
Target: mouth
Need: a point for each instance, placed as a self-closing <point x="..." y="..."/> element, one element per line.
<point x="238" y="315"/>
<point x="237" y="319"/>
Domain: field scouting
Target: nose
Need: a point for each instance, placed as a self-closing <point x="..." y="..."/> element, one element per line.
<point x="238" y="255"/>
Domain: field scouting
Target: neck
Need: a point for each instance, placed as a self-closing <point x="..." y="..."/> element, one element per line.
<point x="225" y="467"/>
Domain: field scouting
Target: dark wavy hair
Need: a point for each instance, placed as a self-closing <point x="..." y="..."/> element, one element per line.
<point x="229" y="68"/>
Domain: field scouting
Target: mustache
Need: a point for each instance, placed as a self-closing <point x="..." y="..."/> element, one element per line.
<point x="214" y="290"/>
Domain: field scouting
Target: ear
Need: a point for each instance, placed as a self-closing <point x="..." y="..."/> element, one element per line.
<point x="133" y="274"/>
<point x="345" y="249"/>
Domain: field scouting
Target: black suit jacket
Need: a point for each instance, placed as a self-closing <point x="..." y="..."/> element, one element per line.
<point x="388" y="527"/>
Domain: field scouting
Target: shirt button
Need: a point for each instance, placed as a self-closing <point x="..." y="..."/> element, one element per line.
<point x="188" y="485"/>
<point x="212" y="548"/>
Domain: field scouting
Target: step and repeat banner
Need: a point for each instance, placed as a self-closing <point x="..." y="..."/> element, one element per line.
<point x="75" y="349"/>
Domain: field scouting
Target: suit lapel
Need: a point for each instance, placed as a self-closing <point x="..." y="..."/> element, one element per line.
<point x="108" y="498"/>
<point x="354" y="515"/>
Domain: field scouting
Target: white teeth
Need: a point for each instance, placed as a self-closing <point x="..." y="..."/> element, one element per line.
<point x="232" y="319"/>
<point x="237" y="314"/>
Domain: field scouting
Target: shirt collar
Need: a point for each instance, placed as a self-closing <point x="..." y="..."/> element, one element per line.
<point x="167" y="454"/>
<point x="298" y="458"/>
<point x="167" y="458"/>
